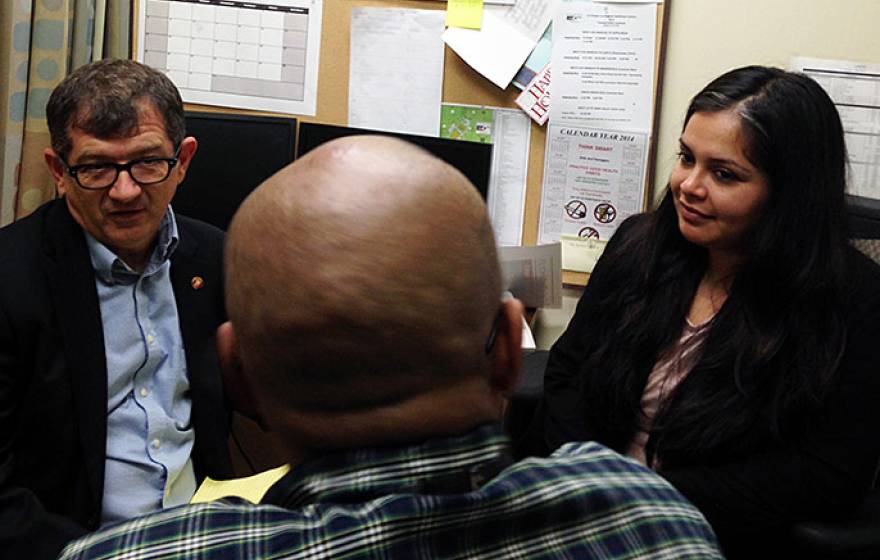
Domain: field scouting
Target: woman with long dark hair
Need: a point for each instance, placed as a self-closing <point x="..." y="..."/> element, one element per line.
<point x="731" y="338"/>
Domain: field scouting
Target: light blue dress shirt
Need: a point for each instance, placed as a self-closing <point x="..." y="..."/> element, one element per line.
<point x="149" y="433"/>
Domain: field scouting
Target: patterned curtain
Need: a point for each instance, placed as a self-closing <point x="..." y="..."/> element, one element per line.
<point x="41" y="41"/>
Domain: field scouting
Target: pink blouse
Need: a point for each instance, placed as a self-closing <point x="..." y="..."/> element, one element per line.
<point x="670" y="369"/>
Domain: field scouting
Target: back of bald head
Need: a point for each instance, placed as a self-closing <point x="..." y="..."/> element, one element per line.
<point x="363" y="274"/>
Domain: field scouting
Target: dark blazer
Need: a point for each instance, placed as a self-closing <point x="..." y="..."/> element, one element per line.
<point x="53" y="376"/>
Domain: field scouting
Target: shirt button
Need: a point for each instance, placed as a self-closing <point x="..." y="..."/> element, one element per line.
<point x="144" y="391"/>
<point x="155" y="443"/>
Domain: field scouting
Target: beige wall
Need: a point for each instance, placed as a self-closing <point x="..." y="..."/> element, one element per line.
<point x="708" y="37"/>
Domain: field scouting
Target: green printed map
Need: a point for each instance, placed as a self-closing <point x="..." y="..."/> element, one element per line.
<point x="466" y="123"/>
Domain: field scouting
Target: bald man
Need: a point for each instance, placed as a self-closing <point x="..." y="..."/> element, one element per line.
<point x="367" y="325"/>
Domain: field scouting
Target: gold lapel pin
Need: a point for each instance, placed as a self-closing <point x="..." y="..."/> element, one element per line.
<point x="197" y="282"/>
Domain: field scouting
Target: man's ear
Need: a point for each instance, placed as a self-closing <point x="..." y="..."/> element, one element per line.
<point x="188" y="147"/>
<point x="236" y="383"/>
<point x="506" y="357"/>
<point x="56" y="169"/>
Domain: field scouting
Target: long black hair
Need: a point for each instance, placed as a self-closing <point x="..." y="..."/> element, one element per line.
<point x="777" y="341"/>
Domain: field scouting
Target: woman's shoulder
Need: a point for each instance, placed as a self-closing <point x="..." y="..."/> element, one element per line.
<point x="633" y="231"/>
<point x="623" y="251"/>
<point x="863" y="283"/>
<point x="634" y="226"/>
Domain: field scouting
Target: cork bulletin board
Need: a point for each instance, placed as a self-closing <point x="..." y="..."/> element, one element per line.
<point x="461" y="84"/>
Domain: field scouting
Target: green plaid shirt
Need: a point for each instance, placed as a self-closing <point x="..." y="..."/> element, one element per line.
<point x="455" y="497"/>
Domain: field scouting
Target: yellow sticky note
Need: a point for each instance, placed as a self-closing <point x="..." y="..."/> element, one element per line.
<point x="580" y="254"/>
<point x="464" y="13"/>
<point x="251" y="488"/>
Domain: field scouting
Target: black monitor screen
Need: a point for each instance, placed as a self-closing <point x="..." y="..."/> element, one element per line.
<point x="473" y="159"/>
<point x="235" y="154"/>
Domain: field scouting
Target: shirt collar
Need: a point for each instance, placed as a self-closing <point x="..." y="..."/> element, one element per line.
<point x="364" y="474"/>
<point x="107" y="264"/>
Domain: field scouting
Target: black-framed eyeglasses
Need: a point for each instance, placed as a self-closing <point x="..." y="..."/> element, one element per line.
<point x="98" y="176"/>
<point x="493" y="333"/>
<point x="493" y="330"/>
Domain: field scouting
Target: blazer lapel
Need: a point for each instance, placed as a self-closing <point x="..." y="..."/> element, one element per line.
<point x="72" y="285"/>
<point x="198" y="287"/>
<point x="183" y="269"/>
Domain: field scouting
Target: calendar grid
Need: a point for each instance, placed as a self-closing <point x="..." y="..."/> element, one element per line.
<point x="231" y="47"/>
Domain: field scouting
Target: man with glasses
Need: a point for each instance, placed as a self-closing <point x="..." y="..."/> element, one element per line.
<point x="111" y="402"/>
<point x="375" y="340"/>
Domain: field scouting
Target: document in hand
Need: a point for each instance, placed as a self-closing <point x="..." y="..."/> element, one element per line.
<point x="533" y="274"/>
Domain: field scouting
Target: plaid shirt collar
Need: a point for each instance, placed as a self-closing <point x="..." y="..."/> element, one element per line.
<point x="444" y="465"/>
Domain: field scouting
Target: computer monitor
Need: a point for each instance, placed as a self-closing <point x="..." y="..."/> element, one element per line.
<point x="473" y="159"/>
<point x="236" y="153"/>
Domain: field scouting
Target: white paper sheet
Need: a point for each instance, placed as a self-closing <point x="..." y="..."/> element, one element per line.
<point x="509" y="33"/>
<point x="396" y="70"/>
<point x="533" y="274"/>
<point x="509" y="131"/>
<point x="603" y="65"/>
<point x="259" y="54"/>
<point x="581" y="254"/>
<point x="528" y="339"/>
<point x="855" y="89"/>
<point x="507" y="182"/>
<point x="538" y="59"/>
<point x="593" y="180"/>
